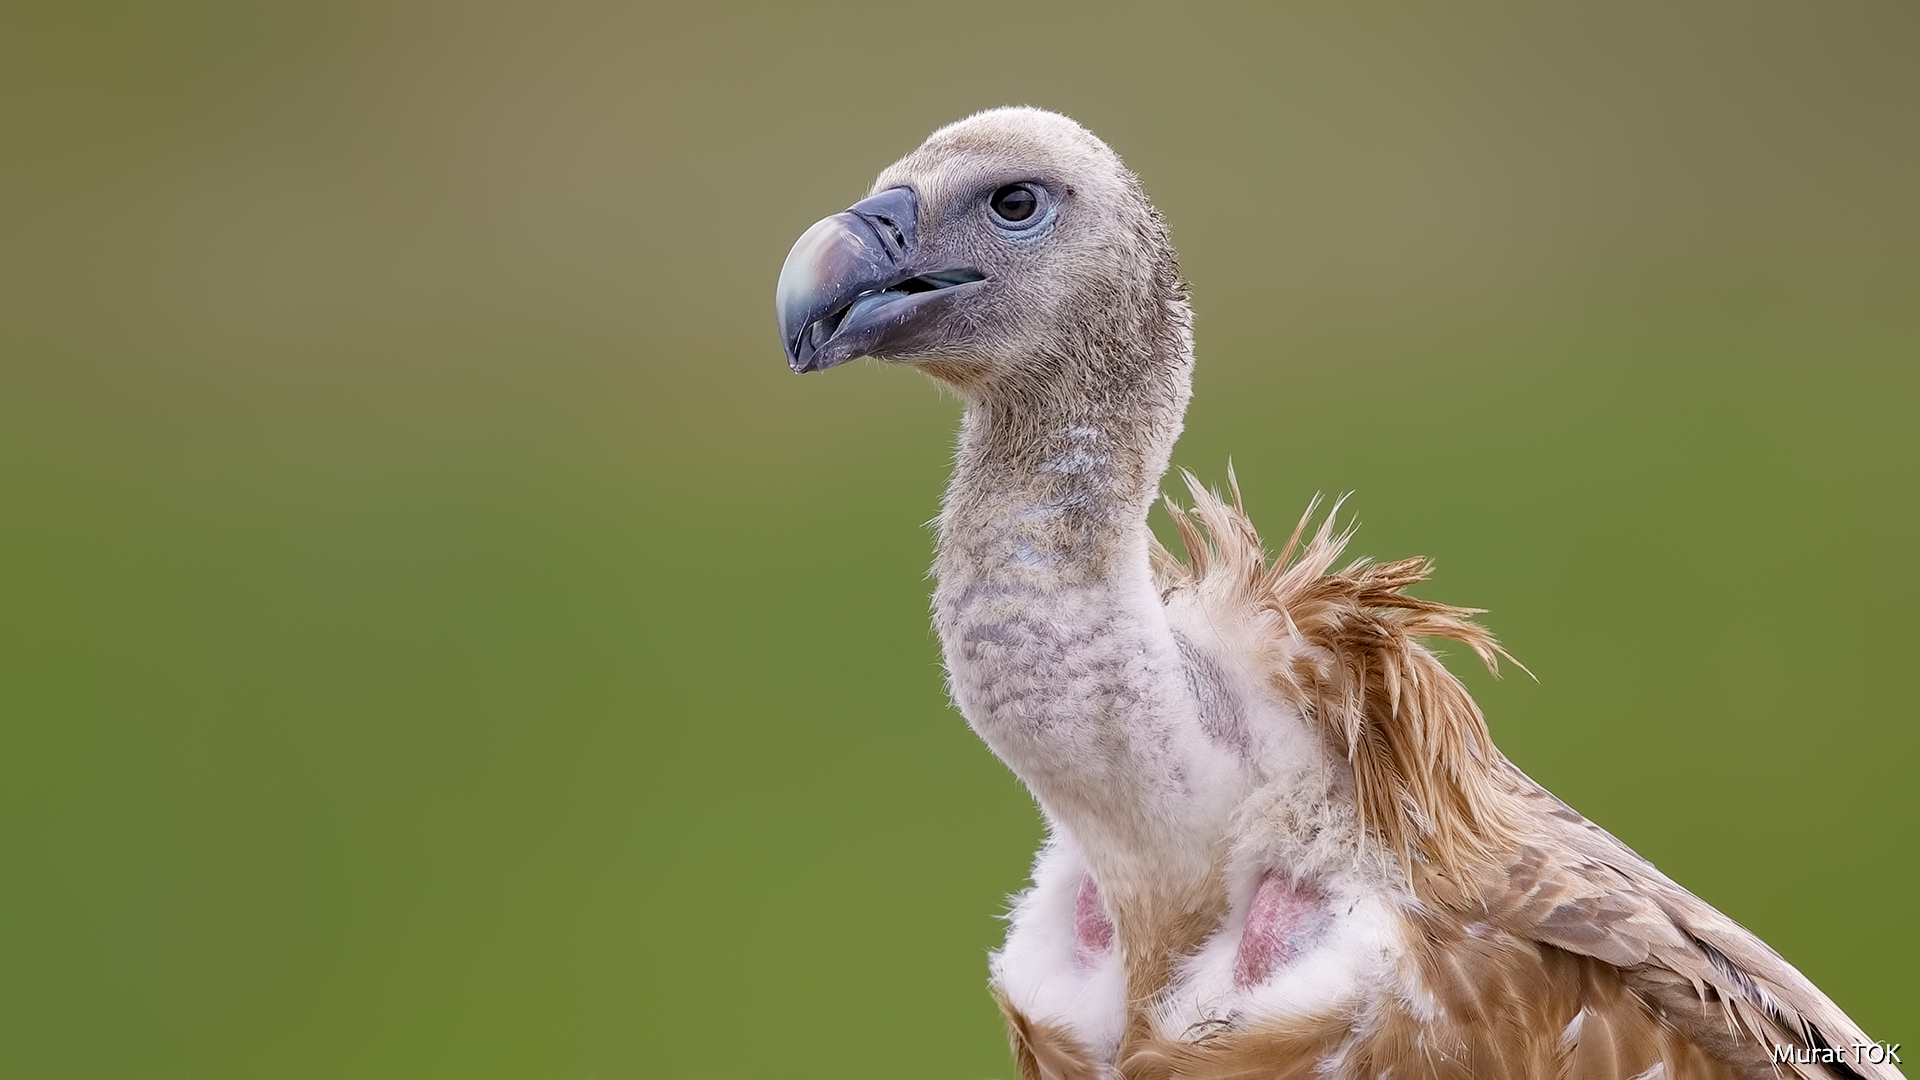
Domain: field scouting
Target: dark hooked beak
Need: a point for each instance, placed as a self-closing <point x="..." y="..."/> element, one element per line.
<point x="853" y="281"/>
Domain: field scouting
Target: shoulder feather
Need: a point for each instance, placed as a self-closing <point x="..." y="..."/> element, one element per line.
<point x="1424" y="765"/>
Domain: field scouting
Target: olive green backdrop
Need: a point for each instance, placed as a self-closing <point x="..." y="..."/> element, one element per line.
<point x="438" y="637"/>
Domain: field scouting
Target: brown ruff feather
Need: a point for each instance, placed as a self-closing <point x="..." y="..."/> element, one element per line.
<point x="1424" y="766"/>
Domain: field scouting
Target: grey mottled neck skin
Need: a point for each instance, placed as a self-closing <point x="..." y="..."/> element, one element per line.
<point x="1056" y="640"/>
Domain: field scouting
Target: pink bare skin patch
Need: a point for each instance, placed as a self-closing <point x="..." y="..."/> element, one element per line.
<point x="1092" y="930"/>
<point x="1283" y="922"/>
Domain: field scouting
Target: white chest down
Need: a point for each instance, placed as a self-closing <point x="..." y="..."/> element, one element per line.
<point x="1288" y="948"/>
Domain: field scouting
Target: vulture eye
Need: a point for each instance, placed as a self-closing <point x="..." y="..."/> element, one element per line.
<point x="1014" y="204"/>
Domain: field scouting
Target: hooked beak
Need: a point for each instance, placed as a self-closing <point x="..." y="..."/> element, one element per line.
<point x="854" y="281"/>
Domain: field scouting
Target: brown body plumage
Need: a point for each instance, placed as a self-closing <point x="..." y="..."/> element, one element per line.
<point x="1282" y="842"/>
<point x="1550" y="948"/>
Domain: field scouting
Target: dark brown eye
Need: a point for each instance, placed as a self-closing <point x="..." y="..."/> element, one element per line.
<point x="1014" y="203"/>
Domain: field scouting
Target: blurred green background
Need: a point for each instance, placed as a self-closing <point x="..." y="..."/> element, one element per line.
<point x="439" y="638"/>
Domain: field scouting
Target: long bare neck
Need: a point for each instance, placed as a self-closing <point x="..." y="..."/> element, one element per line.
<point x="1055" y="496"/>
<point x="1057" y="643"/>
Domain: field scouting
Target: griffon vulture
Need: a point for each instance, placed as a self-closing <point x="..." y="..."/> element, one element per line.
<point x="1281" y="842"/>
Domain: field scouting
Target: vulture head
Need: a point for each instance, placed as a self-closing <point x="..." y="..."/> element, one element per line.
<point x="1010" y="254"/>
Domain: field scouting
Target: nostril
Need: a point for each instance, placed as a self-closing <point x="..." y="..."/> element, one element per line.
<point x="891" y="215"/>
